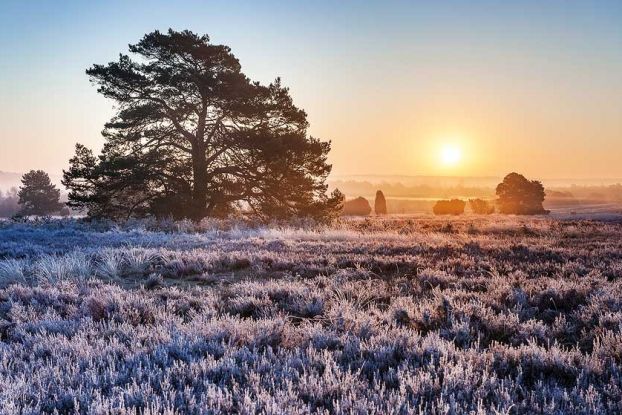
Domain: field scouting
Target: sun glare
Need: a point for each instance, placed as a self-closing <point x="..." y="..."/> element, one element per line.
<point x="450" y="155"/>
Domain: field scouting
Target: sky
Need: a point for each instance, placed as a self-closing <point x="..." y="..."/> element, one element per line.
<point x="451" y="88"/>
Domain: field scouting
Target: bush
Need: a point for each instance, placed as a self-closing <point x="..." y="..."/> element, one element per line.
<point x="64" y="212"/>
<point x="449" y="207"/>
<point x="481" y="207"/>
<point x="380" y="204"/>
<point x="356" y="207"/>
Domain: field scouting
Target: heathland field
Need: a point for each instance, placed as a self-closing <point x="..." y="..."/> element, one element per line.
<point x="395" y="315"/>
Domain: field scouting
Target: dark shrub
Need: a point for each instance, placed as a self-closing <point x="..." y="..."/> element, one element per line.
<point x="64" y="212"/>
<point x="356" y="207"/>
<point x="449" y="207"/>
<point x="481" y="206"/>
<point x="380" y="204"/>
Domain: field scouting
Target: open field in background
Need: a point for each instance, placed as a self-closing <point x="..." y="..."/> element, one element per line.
<point x="378" y="315"/>
<point x="581" y="208"/>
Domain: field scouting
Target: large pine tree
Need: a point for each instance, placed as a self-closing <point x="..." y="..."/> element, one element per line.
<point x="194" y="137"/>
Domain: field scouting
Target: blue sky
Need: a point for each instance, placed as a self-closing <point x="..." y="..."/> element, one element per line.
<point x="534" y="86"/>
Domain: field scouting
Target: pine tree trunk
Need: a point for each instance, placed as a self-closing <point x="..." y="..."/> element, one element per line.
<point x="199" y="187"/>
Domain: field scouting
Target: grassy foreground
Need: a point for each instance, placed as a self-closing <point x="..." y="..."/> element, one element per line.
<point x="396" y="315"/>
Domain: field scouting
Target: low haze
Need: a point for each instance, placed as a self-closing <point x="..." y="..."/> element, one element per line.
<point x="401" y="88"/>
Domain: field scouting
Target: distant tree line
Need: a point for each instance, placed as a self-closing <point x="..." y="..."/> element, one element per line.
<point x="610" y="193"/>
<point x="358" y="187"/>
<point x="9" y="203"/>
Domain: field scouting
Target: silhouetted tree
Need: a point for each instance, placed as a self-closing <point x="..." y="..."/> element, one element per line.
<point x="481" y="206"/>
<point x="520" y="196"/>
<point x="449" y="207"/>
<point x="356" y="207"/>
<point x="380" y="204"/>
<point x="37" y="195"/>
<point x="194" y="137"/>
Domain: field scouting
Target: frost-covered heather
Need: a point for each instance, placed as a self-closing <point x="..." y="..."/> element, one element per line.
<point x="393" y="315"/>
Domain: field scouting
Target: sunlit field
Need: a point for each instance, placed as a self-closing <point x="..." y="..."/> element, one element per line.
<point x="380" y="315"/>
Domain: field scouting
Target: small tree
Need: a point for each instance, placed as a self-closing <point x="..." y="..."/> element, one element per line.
<point x="520" y="196"/>
<point x="449" y="207"/>
<point x="380" y="204"/>
<point x="37" y="195"/>
<point x="481" y="207"/>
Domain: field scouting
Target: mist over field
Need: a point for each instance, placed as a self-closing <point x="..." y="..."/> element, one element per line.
<point x="408" y="195"/>
<point x="417" y="194"/>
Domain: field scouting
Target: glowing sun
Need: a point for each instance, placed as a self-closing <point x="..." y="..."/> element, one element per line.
<point x="450" y="154"/>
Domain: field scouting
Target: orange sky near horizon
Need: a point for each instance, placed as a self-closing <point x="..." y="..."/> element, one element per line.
<point x="525" y="87"/>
